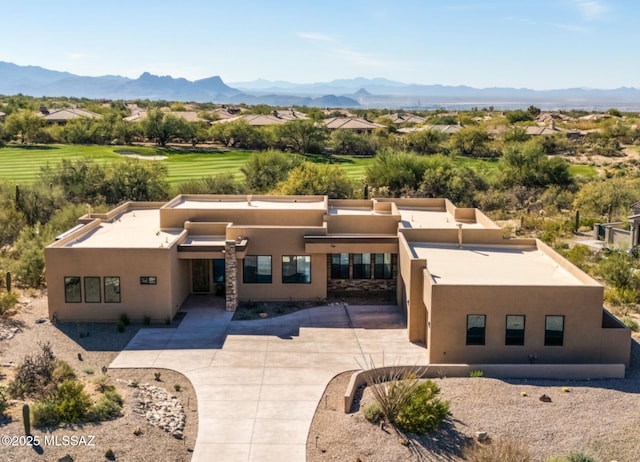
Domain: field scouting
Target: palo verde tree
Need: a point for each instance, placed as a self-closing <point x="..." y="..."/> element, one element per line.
<point x="304" y="136"/>
<point x="264" y="170"/>
<point x="317" y="179"/>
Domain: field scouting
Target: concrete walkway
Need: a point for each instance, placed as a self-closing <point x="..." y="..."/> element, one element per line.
<point x="259" y="382"/>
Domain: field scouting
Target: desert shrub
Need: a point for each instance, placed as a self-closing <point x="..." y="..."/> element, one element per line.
<point x="120" y="326"/>
<point x="8" y="302"/>
<point x="44" y="414"/>
<point x="497" y="451"/>
<point x="631" y="323"/>
<point x="71" y="401"/>
<point x="34" y="373"/>
<point x="103" y="383"/>
<point x="373" y="413"/>
<point x="62" y="371"/>
<point x="476" y="373"/>
<point x="3" y="400"/>
<point x="424" y="411"/>
<point x="573" y="457"/>
<point x="109" y="406"/>
<point x="124" y="319"/>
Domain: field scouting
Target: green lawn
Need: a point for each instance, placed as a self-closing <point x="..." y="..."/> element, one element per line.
<point x="22" y="164"/>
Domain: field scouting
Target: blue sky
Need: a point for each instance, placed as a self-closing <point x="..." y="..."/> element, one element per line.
<point x="539" y="44"/>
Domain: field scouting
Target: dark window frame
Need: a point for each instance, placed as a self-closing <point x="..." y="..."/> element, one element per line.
<point x="255" y="278"/>
<point x="514" y="336"/>
<point x="148" y="280"/>
<point x="300" y="262"/>
<point x="551" y="336"/>
<point x="77" y="282"/>
<point x="98" y="292"/>
<point x="476" y="335"/>
<point x="338" y="269"/>
<point x="361" y="270"/>
<point x="383" y="270"/>
<point x="107" y="296"/>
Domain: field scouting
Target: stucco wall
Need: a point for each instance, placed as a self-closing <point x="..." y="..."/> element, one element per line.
<point x="157" y="301"/>
<point x="580" y="306"/>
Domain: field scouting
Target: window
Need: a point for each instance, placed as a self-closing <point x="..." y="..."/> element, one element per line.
<point x="553" y="330"/>
<point x="382" y="266"/>
<point x="112" y="289"/>
<point x="340" y="266"/>
<point x="72" y="289"/>
<point x="515" y="330"/>
<point x="361" y="266"/>
<point x="475" y="329"/>
<point x="296" y="269"/>
<point x="148" y="280"/>
<point x="92" y="289"/>
<point x="257" y="269"/>
<point x="219" y="271"/>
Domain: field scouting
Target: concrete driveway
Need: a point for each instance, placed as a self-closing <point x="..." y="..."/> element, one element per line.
<point x="259" y="382"/>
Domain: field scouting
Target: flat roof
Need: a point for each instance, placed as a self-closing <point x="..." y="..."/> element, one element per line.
<point x="421" y="217"/>
<point x="351" y="210"/>
<point x="243" y="204"/>
<point x="132" y="229"/>
<point x="492" y="265"/>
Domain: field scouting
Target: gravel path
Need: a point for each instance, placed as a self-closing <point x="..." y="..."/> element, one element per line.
<point x="598" y="417"/>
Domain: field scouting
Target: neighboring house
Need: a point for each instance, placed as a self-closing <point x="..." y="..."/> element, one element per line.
<point x="2" y="116"/>
<point x="355" y="124"/>
<point x="612" y="234"/>
<point x="469" y="295"/>
<point x="446" y="129"/>
<point x="62" y="116"/>
<point x="398" y="119"/>
<point x="261" y="120"/>
<point x="138" y="115"/>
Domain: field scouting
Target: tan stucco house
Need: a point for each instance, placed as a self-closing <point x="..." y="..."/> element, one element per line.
<point x="469" y="295"/>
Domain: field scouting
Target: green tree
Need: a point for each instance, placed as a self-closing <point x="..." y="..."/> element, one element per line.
<point x="222" y="183"/>
<point x="82" y="180"/>
<point x="264" y="170"/>
<point x="346" y="142"/>
<point x="317" y="179"/>
<point x="304" y="136"/>
<point x="426" y="141"/>
<point x="399" y="171"/>
<point x="444" y="178"/>
<point x="609" y="199"/>
<point x="525" y="164"/>
<point x="518" y="116"/>
<point x="23" y="124"/>
<point x="136" y="180"/>
<point x="471" y="141"/>
<point x="162" y="127"/>
<point x="29" y="249"/>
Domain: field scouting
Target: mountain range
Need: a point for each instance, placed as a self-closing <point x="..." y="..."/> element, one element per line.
<point x="358" y="92"/>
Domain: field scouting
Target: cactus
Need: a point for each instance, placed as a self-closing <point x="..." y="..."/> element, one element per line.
<point x="8" y="281"/>
<point x="26" y="419"/>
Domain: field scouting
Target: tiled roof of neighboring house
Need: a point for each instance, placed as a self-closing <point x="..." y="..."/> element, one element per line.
<point x="351" y="123"/>
<point x="537" y="131"/>
<point x="224" y="112"/>
<point x="545" y="117"/>
<point x="65" y="114"/>
<point x="595" y="117"/>
<point x="261" y="120"/>
<point x="140" y="114"/>
<point x="398" y="118"/>
<point x="447" y="129"/>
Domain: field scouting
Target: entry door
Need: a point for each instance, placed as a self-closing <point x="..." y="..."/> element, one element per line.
<point x="200" y="275"/>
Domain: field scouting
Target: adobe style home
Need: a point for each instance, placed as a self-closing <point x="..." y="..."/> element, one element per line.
<point x="469" y="295"/>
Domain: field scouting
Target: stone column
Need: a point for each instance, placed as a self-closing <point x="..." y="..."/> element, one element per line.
<point x="231" y="275"/>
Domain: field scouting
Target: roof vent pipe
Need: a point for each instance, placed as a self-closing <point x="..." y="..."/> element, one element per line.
<point x="459" y="235"/>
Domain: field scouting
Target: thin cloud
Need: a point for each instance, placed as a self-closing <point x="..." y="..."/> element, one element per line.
<point x="73" y="56"/>
<point x="591" y="9"/>
<point x="315" y="36"/>
<point x="569" y="27"/>
<point x="358" y="57"/>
